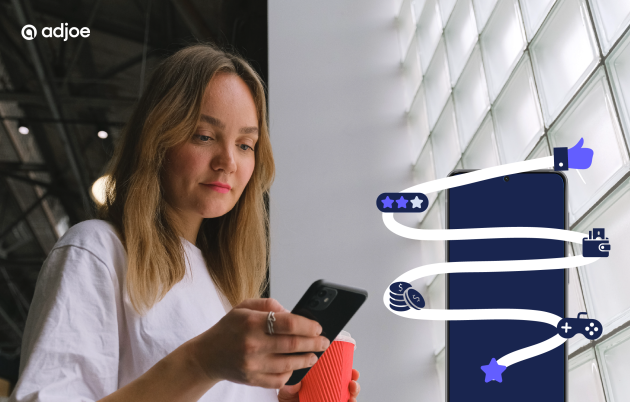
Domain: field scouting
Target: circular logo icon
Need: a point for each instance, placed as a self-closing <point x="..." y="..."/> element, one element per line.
<point x="29" y="32"/>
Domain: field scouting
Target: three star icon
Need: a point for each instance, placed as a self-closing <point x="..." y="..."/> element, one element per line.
<point x="402" y="202"/>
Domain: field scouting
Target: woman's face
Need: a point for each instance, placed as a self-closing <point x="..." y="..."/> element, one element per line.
<point x="219" y="152"/>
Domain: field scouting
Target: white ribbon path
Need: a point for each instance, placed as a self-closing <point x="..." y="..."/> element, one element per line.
<point x="487" y="266"/>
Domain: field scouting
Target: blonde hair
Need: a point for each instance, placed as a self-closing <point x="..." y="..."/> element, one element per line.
<point x="235" y="246"/>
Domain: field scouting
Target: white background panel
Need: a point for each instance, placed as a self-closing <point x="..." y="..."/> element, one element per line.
<point x="576" y="306"/>
<point x="406" y="26"/>
<point x="437" y="85"/>
<point x="446" y="8"/>
<point x="563" y="54"/>
<point x="334" y="74"/>
<point x="614" y="357"/>
<point x="482" y="151"/>
<point x="584" y="381"/>
<point x="534" y="12"/>
<point x="605" y="282"/>
<point x="418" y="124"/>
<point x="442" y="203"/>
<point x="440" y="362"/>
<point x="412" y="71"/>
<point x="502" y="42"/>
<point x="591" y="116"/>
<point x="540" y="150"/>
<point x="416" y="8"/>
<point x="471" y="98"/>
<point x="461" y="36"/>
<point x="445" y="142"/>
<point x="518" y="122"/>
<point x="423" y="172"/>
<point x="483" y="9"/>
<point x="429" y="32"/>
<point x="611" y="19"/>
<point x="618" y="64"/>
<point x="438" y="301"/>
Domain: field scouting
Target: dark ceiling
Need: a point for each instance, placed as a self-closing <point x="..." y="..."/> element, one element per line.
<point x="65" y="92"/>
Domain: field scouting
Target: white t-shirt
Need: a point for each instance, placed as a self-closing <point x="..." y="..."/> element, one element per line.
<point x="83" y="340"/>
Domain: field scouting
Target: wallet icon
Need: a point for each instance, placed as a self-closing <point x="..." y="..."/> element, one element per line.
<point x="597" y="244"/>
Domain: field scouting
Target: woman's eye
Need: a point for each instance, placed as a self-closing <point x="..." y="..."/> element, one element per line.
<point x="203" y="138"/>
<point x="245" y="149"/>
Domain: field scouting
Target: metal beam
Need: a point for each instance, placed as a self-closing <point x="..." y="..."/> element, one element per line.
<point x="124" y="65"/>
<point x="20" y="300"/>
<point x="23" y="167"/>
<point x="92" y="122"/>
<point x="44" y="75"/>
<point x="95" y="6"/>
<point x="38" y="99"/>
<point x="23" y="216"/>
<point x="10" y="48"/>
<point x="193" y="20"/>
<point x="10" y="321"/>
<point x="144" y="48"/>
<point x="52" y="187"/>
<point x="71" y="202"/>
<point x="28" y="180"/>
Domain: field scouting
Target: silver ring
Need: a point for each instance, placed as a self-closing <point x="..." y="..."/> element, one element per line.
<point x="270" y="320"/>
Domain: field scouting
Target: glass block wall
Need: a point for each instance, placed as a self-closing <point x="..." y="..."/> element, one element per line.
<point x="489" y="82"/>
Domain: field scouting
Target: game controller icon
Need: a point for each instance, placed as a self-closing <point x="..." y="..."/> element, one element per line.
<point x="597" y="245"/>
<point x="590" y="328"/>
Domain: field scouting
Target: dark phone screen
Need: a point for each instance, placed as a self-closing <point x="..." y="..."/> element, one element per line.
<point x="527" y="199"/>
<point x="333" y="318"/>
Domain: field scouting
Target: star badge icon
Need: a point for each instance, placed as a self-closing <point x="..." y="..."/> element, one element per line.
<point x="416" y="202"/>
<point x="402" y="203"/>
<point x="387" y="202"/>
<point x="493" y="371"/>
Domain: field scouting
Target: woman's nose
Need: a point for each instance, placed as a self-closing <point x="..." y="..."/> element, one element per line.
<point x="224" y="159"/>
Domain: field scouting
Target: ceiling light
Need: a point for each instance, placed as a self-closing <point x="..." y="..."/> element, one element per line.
<point x="22" y="127"/>
<point x="98" y="189"/>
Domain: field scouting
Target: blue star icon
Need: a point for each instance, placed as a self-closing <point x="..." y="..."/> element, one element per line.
<point x="402" y="203"/>
<point x="493" y="371"/>
<point x="387" y="202"/>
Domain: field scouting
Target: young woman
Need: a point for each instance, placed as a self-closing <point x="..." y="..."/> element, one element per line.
<point x="159" y="300"/>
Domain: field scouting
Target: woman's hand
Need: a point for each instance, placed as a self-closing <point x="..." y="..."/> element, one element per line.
<point x="354" y="386"/>
<point x="238" y="348"/>
<point x="289" y="393"/>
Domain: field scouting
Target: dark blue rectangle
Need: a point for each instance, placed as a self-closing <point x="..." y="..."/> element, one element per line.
<point x="535" y="199"/>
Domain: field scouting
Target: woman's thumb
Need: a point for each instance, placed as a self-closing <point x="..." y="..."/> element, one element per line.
<point x="289" y="393"/>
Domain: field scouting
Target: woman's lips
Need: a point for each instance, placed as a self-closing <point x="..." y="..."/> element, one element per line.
<point x="217" y="188"/>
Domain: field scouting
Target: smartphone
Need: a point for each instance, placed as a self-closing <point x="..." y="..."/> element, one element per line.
<point x="332" y="306"/>
<point x="531" y="199"/>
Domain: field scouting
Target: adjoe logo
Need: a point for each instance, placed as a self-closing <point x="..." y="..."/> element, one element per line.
<point x="29" y="32"/>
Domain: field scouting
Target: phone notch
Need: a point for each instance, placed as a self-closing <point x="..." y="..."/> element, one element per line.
<point x="322" y="298"/>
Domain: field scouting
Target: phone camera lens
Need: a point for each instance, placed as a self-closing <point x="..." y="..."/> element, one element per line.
<point x="506" y="178"/>
<point x="313" y="303"/>
<point x="321" y="293"/>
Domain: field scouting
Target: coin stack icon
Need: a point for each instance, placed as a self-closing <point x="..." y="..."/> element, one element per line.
<point x="413" y="298"/>
<point x="397" y="296"/>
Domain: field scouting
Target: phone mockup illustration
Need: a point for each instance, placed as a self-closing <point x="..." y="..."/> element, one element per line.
<point x="332" y="306"/>
<point x="533" y="199"/>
